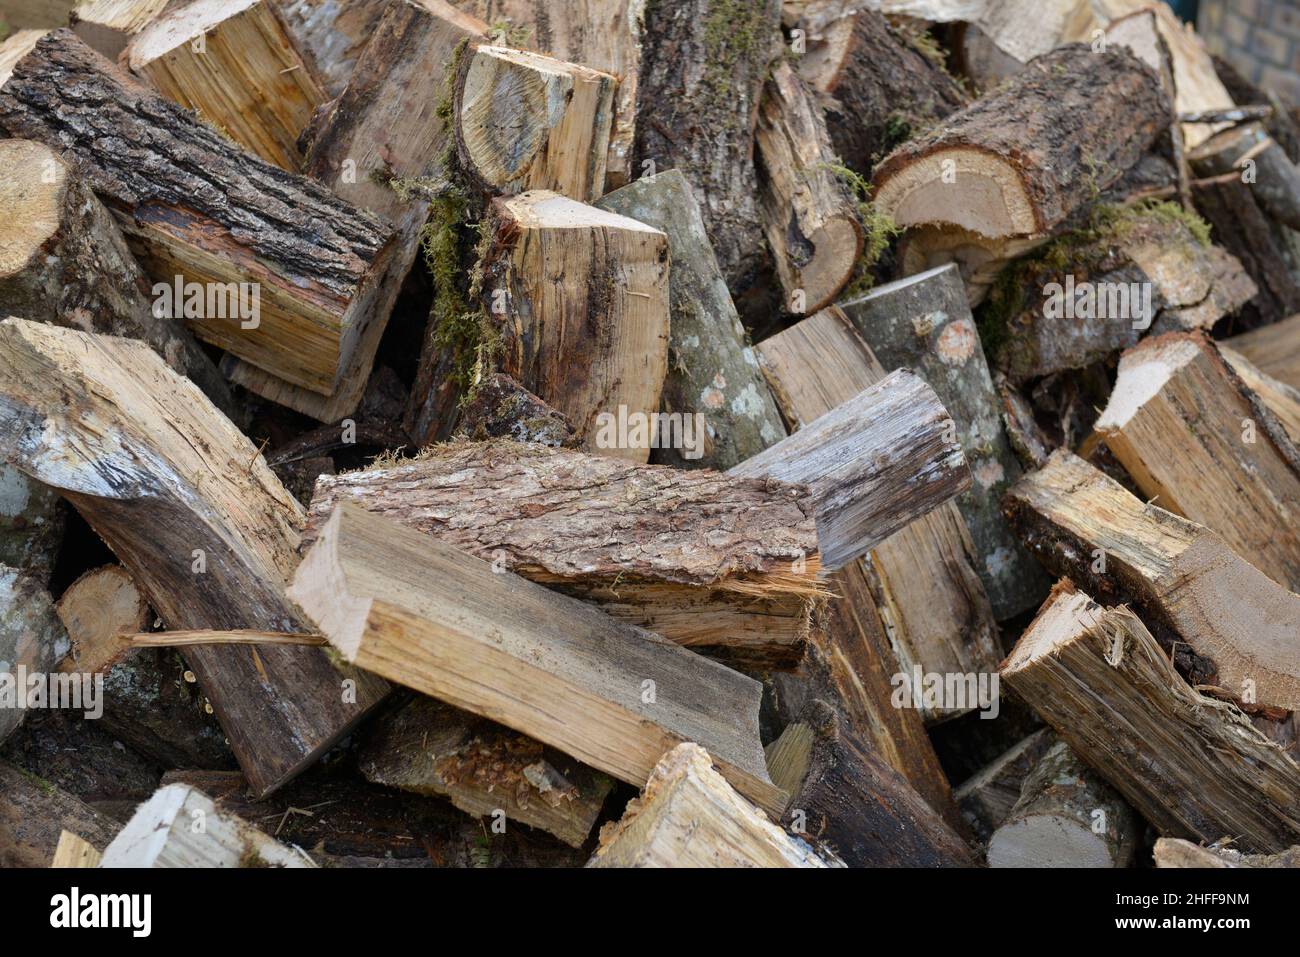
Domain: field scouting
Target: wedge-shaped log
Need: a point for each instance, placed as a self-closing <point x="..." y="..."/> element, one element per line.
<point x="1065" y="816"/>
<point x="197" y="207"/>
<point x="711" y="562"/>
<point x="1279" y="398"/>
<point x="809" y="214"/>
<point x="1193" y="766"/>
<point x="689" y="816"/>
<point x="190" y="508"/>
<point x="526" y="121"/>
<point x="580" y="299"/>
<point x="924" y="576"/>
<point x="65" y="261"/>
<point x="107" y="26"/>
<point x="441" y="621"/>
<point x="874" y="463"/>
<point x="1200" y="444"/>
<point x="711" y="368"/>
<point x="923" y="323"/>
<point x="846" y="798"/>
<point x="1190" y="586"/>
<point x="429" y="747"/>
<point x="234" y="63"/>
<point x="162" y="833"/>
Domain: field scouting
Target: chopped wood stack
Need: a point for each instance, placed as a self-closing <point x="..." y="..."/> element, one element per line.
<point x="524" y="432"/>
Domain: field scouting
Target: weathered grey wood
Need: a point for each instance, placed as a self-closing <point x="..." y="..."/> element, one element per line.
<point x="1274" y="179"/>
<point x="874" y="464"/>
<point x="1066" y="816"/>
<point x="31" y="639"/>
<point x="438" y="620"/>
<point x="31" y="524"/>
<point x="712" y="369"/>
<point x="332" y="34"/>
<point x="190" y="508"/>
<point x="1175" y="852"/>
<point x="923" y="323"/>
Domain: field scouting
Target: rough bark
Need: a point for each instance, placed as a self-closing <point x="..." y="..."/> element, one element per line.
<point x="1066" y="816"/>
<point x="876" y="88"/>
<point x="1200" y="444"/>
<point x="234" y="64"/>
<point x="502" y="408"/>
<point x="1191" y="765"/>
<point x="845" y="797"/>
<point x="712" y="369"/>
<point x="191" y="509"/>
<point x="703" y="64"/>
<point x="66" y="262"/>
<point x="442" y="622"/>
<point x="923" y="323"/>
<point x="198" y="206"/>
<point x="34" y="814"/>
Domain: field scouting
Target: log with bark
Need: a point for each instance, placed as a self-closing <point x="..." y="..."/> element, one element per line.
<point x="1273" y="349"/>
<point x="1014" y="165"/>
<point x="1200" y="444"/>
<point x="503" y="409"/>
<point x="33" y="815"/>
<point x="945" y="624"/>
<point x="1279" y="398"/>
<point x="288" y="274"/>
<point x="808" y="211"/>
<point x="1275" y="182"/>
<point x="1192" y="765"/>
<point x="924" y="323"/>
<point x="703" y="66"/>
<point x="439" y="620"/>
<point x="66" y="262"/>
<point x="32" y="643"/>
<point x="712" y="370"/>
<point x="235" y="65"/>
<point x="1065" y="816"/>
<point x="1194" y="592"/>
<point x="987" y="797"/>
<point x="1176" y="852"/>
<point x="190" y="508"/>
<point x="717" y="564"/>
<point x="689" y="816"/>
<point x="876" y="88"/>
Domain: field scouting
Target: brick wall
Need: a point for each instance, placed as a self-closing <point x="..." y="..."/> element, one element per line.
<point x="1261" y="38"/>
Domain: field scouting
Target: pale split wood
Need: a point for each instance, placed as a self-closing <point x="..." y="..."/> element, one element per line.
<point x="97" y="609"/>
<point x="333" y="35"/>
<point x="72" y="851"/>
<point x="614" y="696"/>
<point x="1273" y="349"/>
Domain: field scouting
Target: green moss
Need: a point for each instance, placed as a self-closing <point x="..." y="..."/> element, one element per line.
<point x="878" y="231"/>
<point x="735" y="31"/>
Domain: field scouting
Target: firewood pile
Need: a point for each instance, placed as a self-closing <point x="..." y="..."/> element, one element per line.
<point x="597" y="433"/>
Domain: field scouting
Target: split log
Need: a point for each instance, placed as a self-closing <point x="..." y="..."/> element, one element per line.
<point x="438" y="620"/>
<point x="1098" y="290"/>
<point x="1193" y="766"/>
<point x="1273" y="349"/>
<point x="924" y="323"/>
<point x="233" y="63"/>
<point x="717" y="564"/>
<point x="1027" y="437"/>
<point x="32" y="642"/>
<point x="191" y="509"/>
<point x="1276" y="181"/>
<point x="14" y="48"/>
<point x="107" y="26"/>
<point x="1015" y="164"/>
<point x="808" y="212"/>
<point x="35" y="813"/>
<point x="584" y="315"/>
<point x="602" y="34"/>
<point x="503" y="409"/>
<point x="1202" y="445"/>
<point x="483" y="768"/>
<point x="72" y="851"/>
<point x="876" y="88"/>
<point x="703" y="65"/>
<point x="97" y="610"/>
<point x="689" y="816"/>
<point x="874" y="464"/>
<point x="66" y="262"/>
<point x="712" y="370"/>
<point x="1175" y="852"/>
<point x="1194" y="592"/>
<point x="1278" y="397"/>
<point x="529" y="122"/>
<point x="845" y="797"/>
<point x="163" y="834"/>
<point x="1066" y="817"/>
<point x="987" y="797"/>
<point x="313" y="260"/>
<point x="922" y="576"/>
<point x="331" y="36"/>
